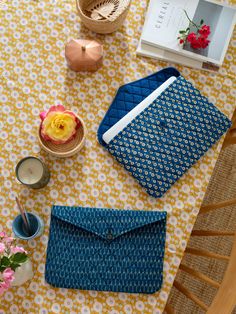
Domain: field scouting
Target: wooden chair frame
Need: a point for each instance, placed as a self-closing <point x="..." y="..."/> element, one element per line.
<point x="230" y="137"/>
<point x="225" y="299"/>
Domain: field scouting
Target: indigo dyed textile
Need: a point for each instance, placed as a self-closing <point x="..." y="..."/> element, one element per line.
<point x="130" y="95"/>
<point x="106" y="249"/>
<point x="168" y="137"/>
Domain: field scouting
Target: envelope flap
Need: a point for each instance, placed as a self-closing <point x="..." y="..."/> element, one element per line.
<point x="104" y="222"/>
<point x="130" y="95"/>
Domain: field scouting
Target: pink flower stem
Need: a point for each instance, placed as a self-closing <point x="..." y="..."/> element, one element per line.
<point x="191" y="22"/>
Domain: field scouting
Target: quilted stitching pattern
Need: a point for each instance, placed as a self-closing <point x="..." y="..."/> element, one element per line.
<point x="168" y="137"/>
<point x="129" y="95"/>
<point x="106" y="249"/>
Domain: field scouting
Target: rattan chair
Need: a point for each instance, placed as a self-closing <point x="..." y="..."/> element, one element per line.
<point x="225" y="299"/>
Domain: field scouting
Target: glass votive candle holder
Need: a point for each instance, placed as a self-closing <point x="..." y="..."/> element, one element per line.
<point x="32" y="172"/>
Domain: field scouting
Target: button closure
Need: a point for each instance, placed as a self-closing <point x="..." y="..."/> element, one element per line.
<point x="109" y="235"/>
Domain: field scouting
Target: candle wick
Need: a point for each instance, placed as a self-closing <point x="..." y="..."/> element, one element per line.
<point x="83" y="48"/>
<point x="30" y="171"/>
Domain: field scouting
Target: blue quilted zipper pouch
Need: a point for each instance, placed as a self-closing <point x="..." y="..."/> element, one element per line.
<point x="160" y="144"/>
<point x="106" y="249"/>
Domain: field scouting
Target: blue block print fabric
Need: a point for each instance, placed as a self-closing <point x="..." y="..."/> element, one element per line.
<point x="106" y="249"/>
<point x="168" y="137"/>
<point x="130" y="95"/>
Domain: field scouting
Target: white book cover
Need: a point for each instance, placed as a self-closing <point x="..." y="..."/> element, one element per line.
<point x="165" y="18"/>
<point x="165" y="55"/>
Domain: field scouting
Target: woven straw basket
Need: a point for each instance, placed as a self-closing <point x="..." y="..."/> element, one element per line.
<point x="68" y="149"/>
<point x="103" y="16"/>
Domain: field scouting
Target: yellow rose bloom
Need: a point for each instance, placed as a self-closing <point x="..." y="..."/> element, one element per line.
<point x="58" y="126"/>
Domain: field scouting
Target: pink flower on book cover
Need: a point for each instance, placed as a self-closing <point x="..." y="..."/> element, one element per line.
<point x="191" y="37"/>
<point x="199" y="38"/>
<point x="205" y="30"/>
<point x="204" y="42"/>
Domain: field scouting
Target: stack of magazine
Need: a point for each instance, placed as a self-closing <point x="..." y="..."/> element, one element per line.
<point x="165" y="18"/>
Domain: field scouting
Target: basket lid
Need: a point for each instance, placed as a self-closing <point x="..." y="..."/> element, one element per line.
<point x="107" y="9"/>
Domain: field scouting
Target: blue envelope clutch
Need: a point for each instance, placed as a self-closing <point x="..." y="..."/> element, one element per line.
<point x="106" y="249"/>
<point x="160" y="144"/>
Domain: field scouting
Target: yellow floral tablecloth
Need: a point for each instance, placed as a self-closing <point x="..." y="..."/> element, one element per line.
<point x="34" y="76"/>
